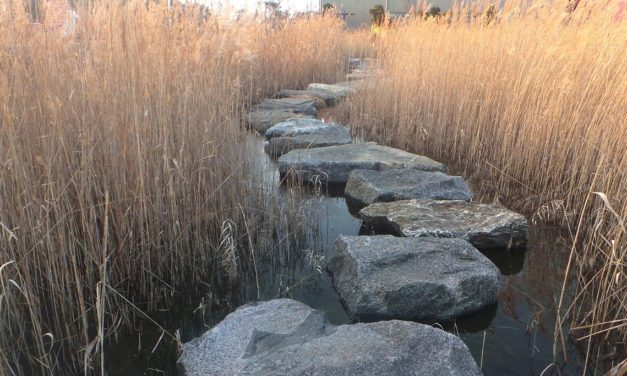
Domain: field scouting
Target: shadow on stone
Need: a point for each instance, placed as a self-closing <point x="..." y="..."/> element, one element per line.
<point x="472" y="323"/>
<point x="376" y="227"/>
<point x="354" y="207"/>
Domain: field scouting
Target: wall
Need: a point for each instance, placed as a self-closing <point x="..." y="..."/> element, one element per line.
<point x="361" y="9"/>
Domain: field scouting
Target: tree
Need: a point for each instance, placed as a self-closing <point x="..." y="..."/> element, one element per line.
<point x="34" y="10"/>
<point x="433" y="12"/>
<point x="377" y="13"/>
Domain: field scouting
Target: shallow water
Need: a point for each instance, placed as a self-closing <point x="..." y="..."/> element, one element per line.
<point x="513" y="338"/>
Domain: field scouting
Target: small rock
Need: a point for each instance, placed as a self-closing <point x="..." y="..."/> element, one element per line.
<point x="385" y="277"/>
<point x="333" y="164"/>
<point x="285" y="337"/>
<point x="368" y="186"/>
<point x="328" y="98"/>
<point x="262" y="120"/>
<point x="295" y="105"/>
<point x="331" y="135"/>
<point x="483" y="225"/>
<point x="339" y="91"/>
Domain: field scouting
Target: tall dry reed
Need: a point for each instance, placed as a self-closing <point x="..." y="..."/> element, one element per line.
<point x="532" y="101"/>
<point x="125" y="176"/>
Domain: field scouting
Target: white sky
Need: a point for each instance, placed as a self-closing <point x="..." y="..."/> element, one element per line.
<point x="289" y="5"/>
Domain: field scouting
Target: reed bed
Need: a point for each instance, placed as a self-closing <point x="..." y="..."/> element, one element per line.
<point x="126" y="178"/>
<point x="531" y="102"/>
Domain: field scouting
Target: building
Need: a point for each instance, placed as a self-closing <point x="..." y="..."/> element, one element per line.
<point x="358" y="11"/>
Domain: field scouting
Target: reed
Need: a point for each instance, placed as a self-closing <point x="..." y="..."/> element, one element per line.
<point x="531" y="102"/>
<point x="126" y="178"/>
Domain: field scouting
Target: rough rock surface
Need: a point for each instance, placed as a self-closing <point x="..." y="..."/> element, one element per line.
<point x="386" y="277"/>
<point x="333" y="164"/>
<point x="295" y="105"/>
<point x="340" y="91"/>
<point x="261" y="121"/>
<point x="328" y="98"/>
<point x="483" y="225"/>
<point x="368" y="186"/>
<point x="332" y="135"/>
<point x="285" y="337"/>
<point x="298" y="126"/>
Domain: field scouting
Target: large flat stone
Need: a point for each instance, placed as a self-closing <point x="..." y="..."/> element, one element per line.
<point x="483" y="225"/>
<point x="328" y="98"/>
<point x="333" y="164"/>
<point x="331" y="135"/>
<point x="368" y="186"/>
<point x="298" y="126"/>
<point x="340" y="91"/>
<point x="295" y="105"/>
<point x="261" y="121"/>
<point x="386" y="277"/>
<point x="285" y="337"/>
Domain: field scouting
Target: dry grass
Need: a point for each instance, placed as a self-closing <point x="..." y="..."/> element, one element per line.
<point x="125" y="176"/>
<point x="533" y="103"/>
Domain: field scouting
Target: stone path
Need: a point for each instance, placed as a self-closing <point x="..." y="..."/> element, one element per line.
<point x="431" y="269"/>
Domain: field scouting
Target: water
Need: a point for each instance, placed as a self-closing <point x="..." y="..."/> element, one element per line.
<point x="514" y="337"/>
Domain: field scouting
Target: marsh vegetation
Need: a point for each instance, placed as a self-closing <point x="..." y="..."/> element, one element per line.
<point x="128" y="182"/>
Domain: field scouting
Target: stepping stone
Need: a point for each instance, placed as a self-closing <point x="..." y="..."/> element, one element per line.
<point x="329" y="136"/>
<point x="262" y="120"/>
<point x="367" y="186"/>
<point x="385" y="277"/>
<point x="357" y="63"/>
<point x="333" y="164"/>
<point x="340" y="91"/>
<point x="356" y="84"/>
<point x="483" y="225"/>
<point x="298" y="126"/>
<point x="328" y="98"/>
<point x="285" y="337"/>
<point x="295" y="105"/>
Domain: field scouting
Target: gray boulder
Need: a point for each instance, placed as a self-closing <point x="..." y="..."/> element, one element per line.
<point x="261" y="121"/>
<point x="328" y="98"/>
<point x="385" y="277"/>
<point x="332" y="135"/>
<point x="297" y="126"/>
<point x="483" y="225"/>
<point x="368" y="186"/>
<point x="295" y="105"/>
<point x="333" y="164"/>
<point x="340" y="91"/>
<point x="285" y="337"/>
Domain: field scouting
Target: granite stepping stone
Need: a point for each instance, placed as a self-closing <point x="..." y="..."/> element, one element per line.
<point x="261" y="121"/>
<point x="328" y="98"/>
<point x="298" y="126"/>
<point x="386" y="277"/>
<point x="340" y="91"/>
<point x="367" y="186"/>
<point x="285" y="337"/>
<point x="333" y="164"/>
<point x="483" y="225"/>
<point x="332" y="135"/>
<point x="295" y="105"/>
